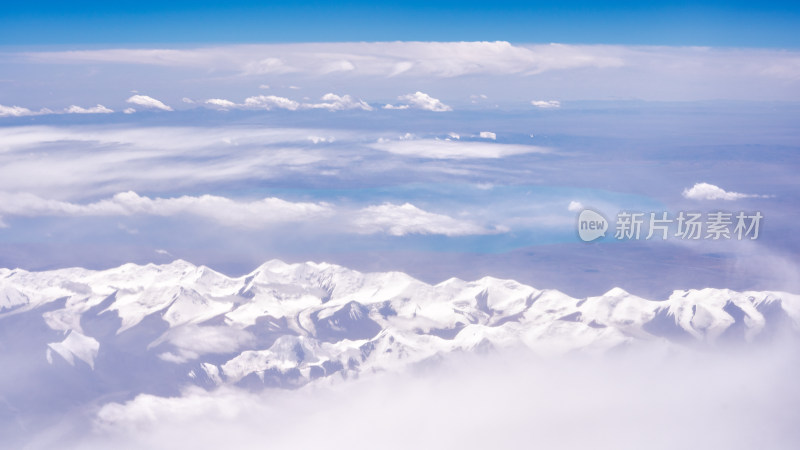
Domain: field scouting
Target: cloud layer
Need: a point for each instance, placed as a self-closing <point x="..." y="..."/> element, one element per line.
<point x="641" y="399"/>
<point x="387" y="218"/>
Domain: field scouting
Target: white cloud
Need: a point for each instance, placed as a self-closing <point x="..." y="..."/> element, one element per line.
<point x="129" y="110"/>
<point x="148" y="102"/>
<point x="321" y="139"/>
<point x="187" y="100"/>
<point x="99" y="109"/>
<point x="400" y="220"/>
<point x="396" y="220"/>
<point x="220" y="209"/>
<point x="330" y="102"/>
<point x="221" y="103"/>
<point x="390" y="106"/>
<point x="133" y="158"/>
<point x="546" y="104"/>
<point x="192" y="341"/>
<point x="392" y="59"/>
<point x="575" y="206"/>
<point x="270" y="102"/>
<point x="705" y="191"/>
<point x="14" y="111"/>
<point x="647" y="72"/>
<point x="341" y="65"/>
<point x="421" y="100"/>
<point x="634" y="400"/>
<point x="18" y="111"/>
<point x="447" y="149"/>
<point x="333" y="102"/>
<point x="488" y="135"/>
<point x="161" y="251"/>
<point x="265" y="66"/>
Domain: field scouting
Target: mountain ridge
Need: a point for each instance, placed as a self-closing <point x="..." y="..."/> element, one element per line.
<point x="289" y="324"/>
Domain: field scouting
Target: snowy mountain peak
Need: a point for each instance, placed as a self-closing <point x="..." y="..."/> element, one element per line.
<point x="287" y="324"/>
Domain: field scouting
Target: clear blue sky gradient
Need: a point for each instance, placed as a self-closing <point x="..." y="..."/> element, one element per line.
<point x="706" y="23"/>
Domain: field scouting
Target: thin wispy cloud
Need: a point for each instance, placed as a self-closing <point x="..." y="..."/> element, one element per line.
<point x="438" y="59"/>
<point x="453" y="149"/>
<point x="220" y="209"/>
<point x="546" y="104"/>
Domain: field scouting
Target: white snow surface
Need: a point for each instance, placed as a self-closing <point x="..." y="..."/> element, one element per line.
<point x="311" y="320"/>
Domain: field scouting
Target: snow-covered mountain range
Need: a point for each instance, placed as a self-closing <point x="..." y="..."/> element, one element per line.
<point x="154" y="328"/>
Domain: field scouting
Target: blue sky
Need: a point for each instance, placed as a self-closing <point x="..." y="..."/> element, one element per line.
<point x="228" y="136"/>
<point x="712" y="23"/>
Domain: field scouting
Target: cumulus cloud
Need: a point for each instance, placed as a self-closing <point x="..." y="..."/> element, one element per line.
<point x="129" y="110"/>
<point x="148" y="102"/>
<point x="575" y="206"/>
<point x="706" y="191"/>
<point x="14" y="111"/>
<point x="390" y="106"/>
<point x="333" y="102"/>
<point x="18" y="111"/>
<point x="221" y="103"/>
<point x="270" y="102"/>
<point x="546" y="104"/>
<point x="421" y="100"/>
<point x="329" y="101"/>
<point x="400" y="220"/>
<point x="449" y="149"/>
<point x="99" y="109"/>
<point x="488" y="135"/>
